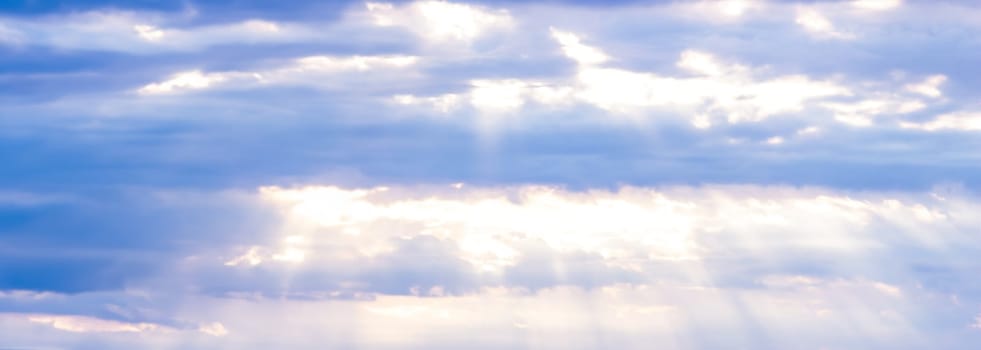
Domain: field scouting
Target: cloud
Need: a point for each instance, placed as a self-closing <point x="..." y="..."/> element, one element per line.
<point x="82" y="324"/>
<point x="877" y="5"/>
<point x="573" y="48"/>
<point x="441" y="21"/>
<point x="717" y="12"/>
<point x="712" y="89"/>
<point x="215" y="329"/>
<point x="145" y="32"/>
<point x="304" y="71"/>
<point x="27" y="199"/>
<point x="930" y="87"/>
<point x="634" y="262"/>
<point x="9" y="35"/>
<point x="524" y="234"/>
<point x="958" y="121"/>
<point x="862" y="112"/>
<point x="817" y="24"/>
<point x="436" y="22"/>
<point x="443" y="104"/>
<point x="717" y="88"/>
<point x="191" y="80"/>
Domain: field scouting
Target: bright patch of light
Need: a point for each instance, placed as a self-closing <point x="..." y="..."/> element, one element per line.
<point x="734" y="8"/>
<point x="497" y="96"/>
<point x="148" y="32"/>
<point x="440" y="21"/>
<point x="877" y="4"/>
<point x="291" y="255"/>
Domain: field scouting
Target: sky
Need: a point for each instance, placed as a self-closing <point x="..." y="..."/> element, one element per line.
<point x="733" y="174"/>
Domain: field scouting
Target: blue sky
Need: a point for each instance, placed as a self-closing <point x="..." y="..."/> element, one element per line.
<point x="500" y="174"/>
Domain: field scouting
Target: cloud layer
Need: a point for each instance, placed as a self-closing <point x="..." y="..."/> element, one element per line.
<point x="754" y="264"/>
<point x="445" y="175"/>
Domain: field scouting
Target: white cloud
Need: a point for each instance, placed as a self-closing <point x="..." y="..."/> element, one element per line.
<point x="961" y="121"/>
<point x="443" y="103"/>
<point x="26" y="295"/>
<point x="573" y="48"/>
<point x="571" y="317"/>
<point x="627" y="229"/>
<point x="862" y="112"/>
<point x="701" y="121"/>
<point x="726" y="90"/>
<point x="637" y="265"/>
<point x="214" y="329"/>
<point x="441" y="21"/>
<point x="290" y="255"/>
<point x="317" y="64"/>
<point x="251" y="257"/>
<point x="494" y="96"/>
<point x="190" y="80"/>
<point x="810" y="130"/>
<point x="719" y="11"/>
<point x="144" y="32"/>
<point x="876" y="4"/>
<point x="510" y="94"/>
<point x="302" y="71"/>
<point x="706" y="64"/>
<point x="734" y="8"/>
<point x="84" y="324"/>
<point x="718" y="88"/>
<point x="819" y="25"/>
<point x="497" y="96"/>
<point x="148" y="32"/>
<point x="929" y="87"/>
<point x="9" y="35"/>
